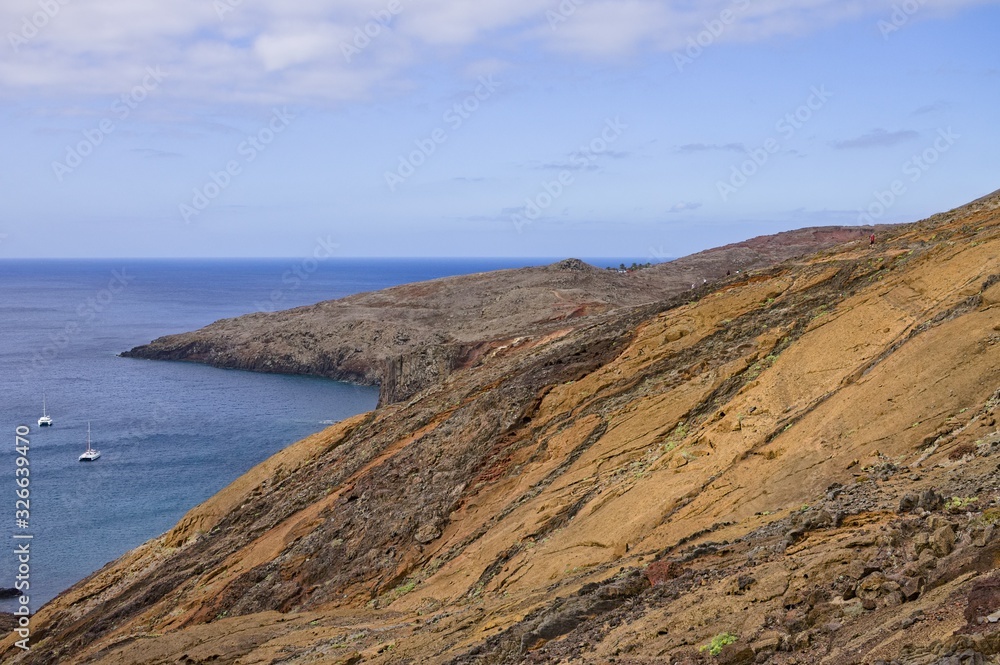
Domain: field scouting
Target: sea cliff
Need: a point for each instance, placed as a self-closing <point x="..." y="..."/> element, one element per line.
<point x="796" y="463"/>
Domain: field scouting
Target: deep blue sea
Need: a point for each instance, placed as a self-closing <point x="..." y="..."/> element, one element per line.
<point x="170" y="434"/>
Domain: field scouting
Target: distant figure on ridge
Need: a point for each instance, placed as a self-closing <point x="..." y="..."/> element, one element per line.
<point x="871" y="240"/>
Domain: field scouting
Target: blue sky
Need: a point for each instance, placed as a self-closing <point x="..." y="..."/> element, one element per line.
<point x="634" y="128"/>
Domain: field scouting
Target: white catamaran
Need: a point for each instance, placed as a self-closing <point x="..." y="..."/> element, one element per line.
<point x="90" y="455"/>
<point x="45" y="420"/>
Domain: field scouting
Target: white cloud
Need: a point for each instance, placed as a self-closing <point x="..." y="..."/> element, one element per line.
<point x="609" y="27"/>
<point x="485" y="67"/>
<point x="297" y="44"/>
<point x="267" y="51"/>
<point x="684" y="206"/>
<point x="451" y="23"/>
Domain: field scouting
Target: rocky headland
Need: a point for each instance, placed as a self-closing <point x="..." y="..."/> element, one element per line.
<point x="795" y="464"/>
<point x="409" y="337"/>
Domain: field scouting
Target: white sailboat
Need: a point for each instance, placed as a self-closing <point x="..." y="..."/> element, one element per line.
<point x="90" y="455"/>
<point x="45" y="420"/>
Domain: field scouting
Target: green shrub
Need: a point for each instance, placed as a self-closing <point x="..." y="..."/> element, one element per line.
<point x="718" y="642"/>
<point x="959" y="502"/>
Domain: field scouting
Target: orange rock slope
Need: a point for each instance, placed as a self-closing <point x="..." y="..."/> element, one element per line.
<point x="797" y="465"/>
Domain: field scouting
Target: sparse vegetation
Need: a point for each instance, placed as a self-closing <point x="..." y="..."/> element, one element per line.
<point x="718" y="642"/>
<point x="989" y="517"/>
<point x="960" y="502"/>
<point x="675" y="437"/>
<point x="639" y="468"/>
<point x="755" y="369"/>
<point x="853" y="610"/>
<point x="632" y="268"/>
<point x="395" y="594"/>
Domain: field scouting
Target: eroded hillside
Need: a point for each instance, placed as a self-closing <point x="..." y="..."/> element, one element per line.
<point x="793" y="465"/>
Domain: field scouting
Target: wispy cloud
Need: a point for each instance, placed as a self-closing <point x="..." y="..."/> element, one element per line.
<point x="613" y="154"/>
<point x="708" y="147"/>
<point x="684" y="206"/>
<point x="154" y="153"/>
<point x="932" y="108"/>
<point x="877" y="138"/>
<point x="565" y="165"/>
<point x="579" y="161"/>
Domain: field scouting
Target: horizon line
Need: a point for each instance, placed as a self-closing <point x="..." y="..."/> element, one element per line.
<point x="333" y="258"/>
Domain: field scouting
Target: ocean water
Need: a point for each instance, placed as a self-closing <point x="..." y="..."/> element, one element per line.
<point x="170" y="434"/>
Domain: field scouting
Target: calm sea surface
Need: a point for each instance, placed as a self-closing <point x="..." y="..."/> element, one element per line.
<point x="170" y="434"/>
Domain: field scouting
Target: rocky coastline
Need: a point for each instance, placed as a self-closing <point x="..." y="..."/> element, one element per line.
<point x="796" y="463"/>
